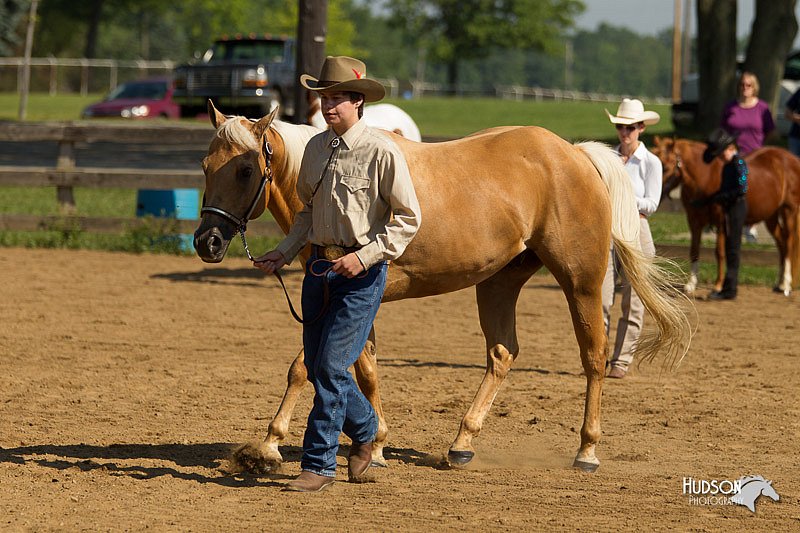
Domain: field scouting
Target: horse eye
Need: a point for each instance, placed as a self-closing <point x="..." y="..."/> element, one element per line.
<point x="245" y="172"/>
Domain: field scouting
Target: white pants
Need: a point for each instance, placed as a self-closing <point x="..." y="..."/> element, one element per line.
<point x="629" y="326"/>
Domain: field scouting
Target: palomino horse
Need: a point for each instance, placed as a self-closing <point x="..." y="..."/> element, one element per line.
<point x="773" y="196"/>
<point x="384" y="116"/>
<point x="499" y="205"/>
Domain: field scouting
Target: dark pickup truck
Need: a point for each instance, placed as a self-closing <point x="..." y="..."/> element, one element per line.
<point x="244" y="75"/>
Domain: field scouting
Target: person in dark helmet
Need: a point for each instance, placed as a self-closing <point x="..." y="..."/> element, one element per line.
<point x="732" y="197"/>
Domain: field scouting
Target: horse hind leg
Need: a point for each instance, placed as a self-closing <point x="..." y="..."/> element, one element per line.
<point x="497" y="300"/>
<point x="585" y="305"/>
<point x="582" y="286"/>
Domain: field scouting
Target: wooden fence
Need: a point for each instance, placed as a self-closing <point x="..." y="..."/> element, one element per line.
<point x="65" y="175"/>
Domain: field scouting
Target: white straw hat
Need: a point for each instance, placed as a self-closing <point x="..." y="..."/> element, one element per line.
<point x="631" y="111"/>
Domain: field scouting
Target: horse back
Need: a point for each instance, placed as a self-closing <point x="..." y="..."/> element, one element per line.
<point x="488" y="197"/>
<point x="773" y="179"/>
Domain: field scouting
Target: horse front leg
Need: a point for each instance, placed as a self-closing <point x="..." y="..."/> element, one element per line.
<point x="366" y="370"/>
<point x="696" y="224"/>
<point x="263" y="457"/>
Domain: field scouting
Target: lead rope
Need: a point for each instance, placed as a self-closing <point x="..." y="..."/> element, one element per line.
<point x="335" y="144"/>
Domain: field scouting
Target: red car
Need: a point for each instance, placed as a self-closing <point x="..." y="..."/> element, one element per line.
<point x="148" y="98"/>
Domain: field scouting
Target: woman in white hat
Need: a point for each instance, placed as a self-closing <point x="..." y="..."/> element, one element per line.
<point x="644" y="169"/>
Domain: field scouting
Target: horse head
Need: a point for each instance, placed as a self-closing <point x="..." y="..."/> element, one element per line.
<point x="751" y="488"/>
<point x="238" y="170"/>
<point x="664" y="149"/>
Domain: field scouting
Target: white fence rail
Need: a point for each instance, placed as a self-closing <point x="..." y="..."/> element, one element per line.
<point x="84" y="76"/>
<point x="51" y="72"/>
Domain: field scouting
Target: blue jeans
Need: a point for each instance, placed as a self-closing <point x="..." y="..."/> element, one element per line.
<point x="332" y="344"/>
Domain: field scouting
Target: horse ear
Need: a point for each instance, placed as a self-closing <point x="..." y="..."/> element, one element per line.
<point x="263" y="123"/>
<point x="216" y="117"/>
<point x="656" y="140"/>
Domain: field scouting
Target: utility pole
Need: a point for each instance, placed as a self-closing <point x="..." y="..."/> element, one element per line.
<point x="687" y="39"/>
<point x="568" y="62"/>
<point x="676" y="52"/>
<point x="26" y="69"/>
<point x="312" y="29"/>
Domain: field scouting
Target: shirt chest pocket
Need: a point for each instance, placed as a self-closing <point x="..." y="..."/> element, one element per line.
<point x="353" y="192"/>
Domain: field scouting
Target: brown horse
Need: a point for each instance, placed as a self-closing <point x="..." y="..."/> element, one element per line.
<point x="499" y="205"/>
<point x="773" y="196"/>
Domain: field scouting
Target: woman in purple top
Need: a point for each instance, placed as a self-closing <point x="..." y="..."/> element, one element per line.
<point x="749" y="118"/>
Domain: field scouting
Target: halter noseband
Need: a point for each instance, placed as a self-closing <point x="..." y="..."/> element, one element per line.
<point x="241" y="223"/>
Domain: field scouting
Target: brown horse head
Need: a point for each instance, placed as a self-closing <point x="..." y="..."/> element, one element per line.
<point x="664" y="149"/>
<point x="235" y="168"/>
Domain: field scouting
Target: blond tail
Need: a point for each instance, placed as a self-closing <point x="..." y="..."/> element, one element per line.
<point x="652" y="281"/>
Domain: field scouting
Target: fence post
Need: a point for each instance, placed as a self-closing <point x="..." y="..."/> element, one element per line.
<point x="53" y="76"/>
<point x="84" y="77"/>
<point x="66" y="161"/>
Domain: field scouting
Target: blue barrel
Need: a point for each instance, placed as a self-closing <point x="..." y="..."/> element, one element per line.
<point x="181" y="204"/>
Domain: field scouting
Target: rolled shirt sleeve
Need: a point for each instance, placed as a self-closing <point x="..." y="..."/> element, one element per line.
<point x="397" y="190"/>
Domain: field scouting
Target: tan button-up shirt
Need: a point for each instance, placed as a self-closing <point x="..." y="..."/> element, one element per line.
<point x="365" y="198"/>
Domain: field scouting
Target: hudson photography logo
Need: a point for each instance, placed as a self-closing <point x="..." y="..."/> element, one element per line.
<point x="743" y="491"/>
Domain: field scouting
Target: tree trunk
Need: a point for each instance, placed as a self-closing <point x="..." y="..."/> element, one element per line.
<point x="452" y="77"/>
<point x="716" y="54"/>
<point x="771" y="38"/>
<point x="312" y="31"/>
<point x="95" y="16"/>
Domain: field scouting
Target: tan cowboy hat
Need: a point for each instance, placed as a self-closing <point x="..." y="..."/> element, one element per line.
<point x="631" y="111"/>
<point x="342" y="73"/>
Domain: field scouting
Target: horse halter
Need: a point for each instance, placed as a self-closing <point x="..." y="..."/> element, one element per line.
<point x="241" y="223"/>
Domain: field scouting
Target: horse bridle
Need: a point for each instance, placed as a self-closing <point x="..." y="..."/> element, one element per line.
<point x="677" y="173"/>
<point x="241" y="228"/>
<point x="241" y="223"/>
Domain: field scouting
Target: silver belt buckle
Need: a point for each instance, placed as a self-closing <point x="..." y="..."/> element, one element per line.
<point x="333" y="252"/>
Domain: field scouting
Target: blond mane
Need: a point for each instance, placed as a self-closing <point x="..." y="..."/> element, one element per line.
<point x="237" y="130"/>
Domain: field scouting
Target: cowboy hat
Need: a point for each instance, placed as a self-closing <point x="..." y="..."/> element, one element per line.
<point x="717" y="142"/>
<point x="631" y="111"/>
<point x="342" y="73"/>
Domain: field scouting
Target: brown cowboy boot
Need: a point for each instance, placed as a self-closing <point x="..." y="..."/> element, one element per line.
<point x="309" y="482"/>
<point x="358" y="462"/>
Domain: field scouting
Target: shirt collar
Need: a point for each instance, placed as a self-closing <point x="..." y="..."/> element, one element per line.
<point x="639" y="153"/>
<point x="351" y="136"/>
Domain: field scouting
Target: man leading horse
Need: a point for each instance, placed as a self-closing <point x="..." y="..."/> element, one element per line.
<point x="360" y="211"/>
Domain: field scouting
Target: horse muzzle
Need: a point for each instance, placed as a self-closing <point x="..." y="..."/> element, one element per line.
<point x="210" y="244"/>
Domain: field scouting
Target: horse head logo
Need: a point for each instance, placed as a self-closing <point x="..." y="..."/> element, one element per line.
<point x="751" y="488"/>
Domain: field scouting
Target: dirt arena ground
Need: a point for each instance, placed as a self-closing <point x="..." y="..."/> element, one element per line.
<point x="127" y="379"/>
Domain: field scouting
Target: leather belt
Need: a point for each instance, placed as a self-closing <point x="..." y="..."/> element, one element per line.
<point x="332" y="252"/>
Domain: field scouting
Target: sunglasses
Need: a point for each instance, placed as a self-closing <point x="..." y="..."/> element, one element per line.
<point x="627" y="127"/>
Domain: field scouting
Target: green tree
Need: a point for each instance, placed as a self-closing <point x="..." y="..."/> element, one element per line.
<point x="618" y="61"/>
<point x="452" y="31"/>
<point x="12" y="13"/>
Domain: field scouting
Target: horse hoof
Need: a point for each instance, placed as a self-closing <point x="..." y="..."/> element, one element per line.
<point x="379" y="463"/>
<point x="585" y="467"/>
<point x="785" y="292"/>
<point x="251" y="458"/>
<point x="459" y="457"/>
